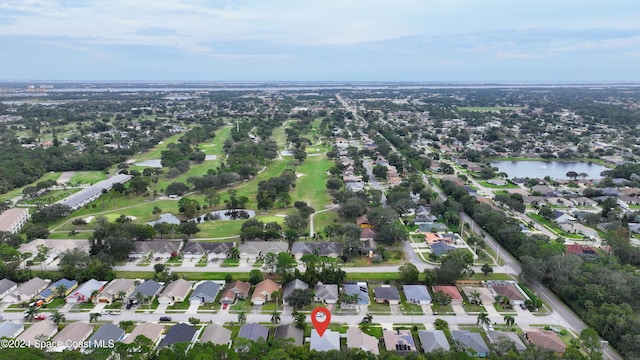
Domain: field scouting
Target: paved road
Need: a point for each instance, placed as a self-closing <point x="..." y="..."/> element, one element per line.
<point x="328" y="208"/>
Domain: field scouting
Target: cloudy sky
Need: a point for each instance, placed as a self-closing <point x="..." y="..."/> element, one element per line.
<point x="321" y="40"/>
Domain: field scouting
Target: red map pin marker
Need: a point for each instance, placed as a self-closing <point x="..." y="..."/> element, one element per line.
<point x="320" y="317"/>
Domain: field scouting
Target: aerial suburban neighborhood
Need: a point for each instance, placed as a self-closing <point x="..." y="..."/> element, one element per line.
<point x="493" y="222"/>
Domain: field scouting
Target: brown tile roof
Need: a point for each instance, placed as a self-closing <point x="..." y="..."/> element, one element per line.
<point x="547" y="339"/>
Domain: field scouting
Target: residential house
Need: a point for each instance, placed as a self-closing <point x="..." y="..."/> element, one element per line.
<point x="178" y="333"/>
<point x="326" y="293"/>
<point x="441" y="248"/>
<point x="27" y="291"/>
<point x="456" y="298"/>
<point x="250" y="250"/>
<point x="89" y="194"/>
<point x="417" y="294"/>
<point x="148" y="289"/>
<point x="213" y="250"/>
<point x="205" y="292"/>
<point x="361" y="290"/>
<point x="72" y="336"/>
<point x="7" y="286"/>
<point x="52" y="291"/>
<point x="433" y="340"/>
<point x="10" y="329"/>
<point x="356" y="339"/>
<point x="12" y="220"/>
<point x="576" y="228"/>
<point x="151" y="331"/>
<point x="162" y="249"/>
<point x="546" y="339"/>
<point x="329" y="341"/>
<point x="562" y="218"/>
<point x="367" y="234"/>
<point x="39" y="330"/>
<point x="400" y="341"/>
<point x="495" y="336"/>
<point x="289" y="331"/>
<point x="216" y="334"/>
<point x="253" y="332"/>
<point x="363" y="222"/>
<point x="175" y="292"/>
<point x="432" y="227"/>
<point x="106" y="335"/>
<point x="386" y="294"/>
<point x="581" y="250"/>
<point x="319" y="248"/>
<point x="56" y="247"/>
<point x="473" y="342"/>
<point x="85" y="291"/>
<point x="290" y="286"/>
<point x="485" y="296"/>
<point x="235" y="290"/>
<point x="508" y="290"/>
<point x="117" y="289"/>
<point x="263" y="291"/>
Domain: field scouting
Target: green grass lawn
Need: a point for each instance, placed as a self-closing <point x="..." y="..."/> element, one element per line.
<point x="491" y="186"/>
<point x="242" y="305"/>
<point x="230" y="263"/>
<point x="52" y="196"/>
<point x="156" y="151"/>
<point x="87" y="177"/>
<point x="322" y="220"/>
<point x="390" y="276"/>
<point x="311" y="187"/>
<point x="442" y="309"/>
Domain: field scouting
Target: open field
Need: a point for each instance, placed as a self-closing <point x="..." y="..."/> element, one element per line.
<point x="311" y="187"/>
<point x="321" y="220"/>
<point x="87" y="177"/>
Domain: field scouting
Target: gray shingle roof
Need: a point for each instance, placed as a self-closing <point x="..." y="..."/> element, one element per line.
<point x="416" y="293"/>
<point x="206" y="291"/>
<point x="470" y="340"/>
<point x="386" y="293"/>
<point x="147" y="288"/>
<point x="253" y="332"/>
<point x="106" y="333"/>
<point x="289" y="331"/>
<point x="178" y="333"/>
<point x="433" y="340"/>
<point x="216" y="334"/>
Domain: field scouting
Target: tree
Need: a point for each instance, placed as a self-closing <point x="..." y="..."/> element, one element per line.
<point x="94" y="316"/>
<point x="409" y="273"/>
<point x="474" y="298"/>
<point x="300" y="298"/>
<point x="430" y="276"/>
<point x="212" y="197"/>
<point x="486" y="269"/>
<point x="509" y="320"/>
<point x="275" y="317"/>
<point x="36" y="232"/>
<point x="455" y="265"/>
<point x="158" y="268"/>
<point x="233" y="253"/>
<point x="334" y="184"/>
<point x="441" y="298"/>
<point x="255" y="276"/>
<point x="242" y="317"/>
<point x="590" y="342"/>
<point x="572" y="175"/>
<point x="483" y="319"/>
<point x="284" y="263"/>
<point x="194" y="320"/>
<point x="31" y="313"/>
<point x="60" y="291"/>
<point x="58" y="318"/>
<point x="380" y="171"/>
<point x="299" y="319"/>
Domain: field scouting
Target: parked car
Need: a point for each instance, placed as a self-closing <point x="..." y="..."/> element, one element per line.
<point x="523" y="306"/>
<point x="40" y="317"/>
<point x="128" y="306"/>
<point x="224" y="306"/>
<point x="165" y="318"/>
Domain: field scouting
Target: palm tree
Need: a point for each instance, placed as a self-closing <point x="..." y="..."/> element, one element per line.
<point x="368" y="319"/>
<point x="139" y="297"/>
<point x="242" y="317"/>
<point x="483" y="319"/>
<point x="60" y="291"/>
<point x="121" y="294"/>
<point x="94" y="294"/>
<point x="475" y="298"/>
<point x="275" y="317"/>
<point x="58" y="318"/>
<point x="94" y="316"/>
<point x="275" y="296"/>
<point x="509" y="320"/>
<point x="233" y="253"/>
<point x="31" y="313"/>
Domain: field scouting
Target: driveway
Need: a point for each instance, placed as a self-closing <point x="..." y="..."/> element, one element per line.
<point x="458" y="309"/>
<point x="161" y="309"/>
<point x="395" y="310"/>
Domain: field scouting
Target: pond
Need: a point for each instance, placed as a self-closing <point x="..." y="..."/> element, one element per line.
<point x="236" y="214"/>
<point x="553" y="169"/>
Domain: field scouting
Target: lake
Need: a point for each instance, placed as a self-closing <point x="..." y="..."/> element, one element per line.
<point x="553" y="169"/>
